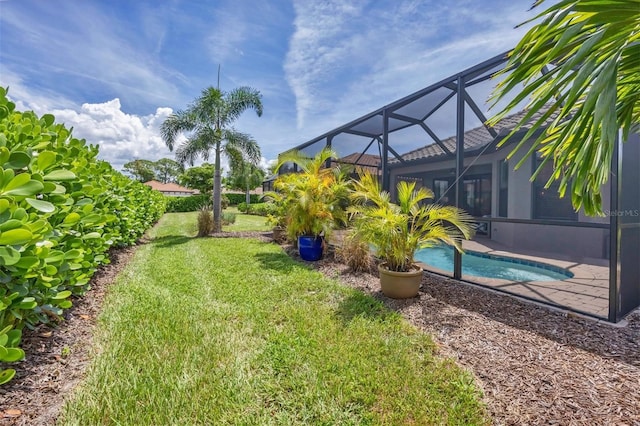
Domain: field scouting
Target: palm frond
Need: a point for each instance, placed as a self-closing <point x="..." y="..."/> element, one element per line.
<point x="591" y="48"/>
<point x="177" y="123"/>
<point x="243" y="144"/>
<point x="198" y="145"/>
<point x="239" y="100"/>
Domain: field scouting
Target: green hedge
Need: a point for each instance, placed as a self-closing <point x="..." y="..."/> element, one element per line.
<point x="258" y="209"/>
<point x="235" y="199"/>
<point x="61" y="210"/>
<point x="192" y="203"/>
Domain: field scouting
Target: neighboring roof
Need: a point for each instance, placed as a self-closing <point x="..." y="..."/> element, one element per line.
<point x="169" y="187"/>
<point x="368" y="162"/>
<point x="362" y="159"/>
<point x="474" y="139"/>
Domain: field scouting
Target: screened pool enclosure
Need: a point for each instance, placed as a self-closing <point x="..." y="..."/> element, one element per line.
<point x="437" y="138"/>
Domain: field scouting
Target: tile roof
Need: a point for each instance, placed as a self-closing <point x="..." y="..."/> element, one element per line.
<point x="365" y="160"/>
<point x="169" y="187"/>
<point x="473" y="139"/>
<point x="368" y="162"/>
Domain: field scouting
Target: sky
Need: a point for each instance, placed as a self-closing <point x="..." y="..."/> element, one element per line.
<point x="115" y="69"/>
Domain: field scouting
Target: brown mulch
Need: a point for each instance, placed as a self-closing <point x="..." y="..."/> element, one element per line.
<point x="262" y="236"/>
<point x="56" y="358"/>
<point x="535" y="365"/>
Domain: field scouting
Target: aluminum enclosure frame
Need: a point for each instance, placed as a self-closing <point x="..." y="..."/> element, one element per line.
<point x="378" y="124"/>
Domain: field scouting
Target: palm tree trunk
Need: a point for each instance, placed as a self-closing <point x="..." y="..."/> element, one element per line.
<point x="247" y="196"/>
<point x="217" y="188"/>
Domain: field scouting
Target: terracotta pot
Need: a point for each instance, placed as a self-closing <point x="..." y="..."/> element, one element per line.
<point x="400" y="285"/>
<point x="278" y="234"/>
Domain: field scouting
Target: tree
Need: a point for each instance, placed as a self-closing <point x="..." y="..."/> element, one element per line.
<point x="207" y="123"/>
<point x="244" y="176"/>
<point x="167" y="170"/>
<point x="141" y="170"/>
<point x="581" y="66"/>
<point x="199" y="177"/>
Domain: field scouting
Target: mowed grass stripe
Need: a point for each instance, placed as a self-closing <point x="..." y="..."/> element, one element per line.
<point x="233" y="331"/>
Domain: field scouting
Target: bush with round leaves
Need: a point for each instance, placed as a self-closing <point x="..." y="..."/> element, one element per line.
<point x="61" y="210"/>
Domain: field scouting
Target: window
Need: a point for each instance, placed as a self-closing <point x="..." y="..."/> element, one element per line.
<point x="441" y="196"/>
<point x="547" y="203"/>
<point x="503" y="194"/>
<point x="476" y="193"/>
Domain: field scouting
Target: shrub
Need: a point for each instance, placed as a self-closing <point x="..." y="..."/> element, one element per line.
<point x="187" y="204"/>
<point x="228" y="218"/>
<point x="61" y="209"/>
<point x="354" y="253"/>
<point x="205" y="221"/>
<point x="260" y="209"/>
<point x="237" y="199"/>
<point x="242" y="207"/>
<point x="192" y="203"/>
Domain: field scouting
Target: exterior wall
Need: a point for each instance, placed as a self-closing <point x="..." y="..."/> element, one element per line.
<point x="584" y="245"/>
<point x="177" y="193"/>
<point x="567" y="242"/>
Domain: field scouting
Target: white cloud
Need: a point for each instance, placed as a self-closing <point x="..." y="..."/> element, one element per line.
<point x="122" y="137"/>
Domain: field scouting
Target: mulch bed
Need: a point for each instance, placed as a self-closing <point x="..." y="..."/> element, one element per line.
<point x="536" y="366"/>
<point x="56" y="358"/>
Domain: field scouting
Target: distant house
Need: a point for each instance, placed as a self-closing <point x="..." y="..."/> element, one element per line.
<point x="171" y="189"/>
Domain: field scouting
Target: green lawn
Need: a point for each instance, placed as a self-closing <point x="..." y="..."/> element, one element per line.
<point x="234" y="332"/>
<point x="247" y="222"/>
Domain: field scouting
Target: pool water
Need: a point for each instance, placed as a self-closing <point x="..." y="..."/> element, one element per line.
<point x="491" y="266"/>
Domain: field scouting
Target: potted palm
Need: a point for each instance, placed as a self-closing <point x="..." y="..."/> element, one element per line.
<point x="314" y="199"/>
<point x="396" y="231"/>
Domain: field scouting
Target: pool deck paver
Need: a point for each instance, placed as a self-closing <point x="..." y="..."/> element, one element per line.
<point x="587" y="291"/>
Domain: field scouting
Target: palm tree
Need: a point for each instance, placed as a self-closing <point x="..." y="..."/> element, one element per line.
<point x="580" y="65"/>
<point x="207" y="122"/>
<point x="398" y="230"/>
<point x="244" y="176"/>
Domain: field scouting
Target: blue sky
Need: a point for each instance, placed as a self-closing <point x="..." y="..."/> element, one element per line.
<point x="114" y="70"/>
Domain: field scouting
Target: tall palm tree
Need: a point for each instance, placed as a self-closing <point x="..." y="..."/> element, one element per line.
<point x="207" y="124"/>
<point x="581" y="65"/>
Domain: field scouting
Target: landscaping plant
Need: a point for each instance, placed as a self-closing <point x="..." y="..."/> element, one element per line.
<point x="207" y="124"/>
<point x="396" y="231"/>
<point x="315" y="197"/>
<point x="61" y="210"/>
<point x="205" y="221"/>
<point x="355" y="253"/>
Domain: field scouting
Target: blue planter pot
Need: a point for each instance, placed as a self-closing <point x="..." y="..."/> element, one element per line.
<point x="310" y="247"/>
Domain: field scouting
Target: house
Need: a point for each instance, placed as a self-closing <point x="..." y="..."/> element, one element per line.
<point x="515" y="215"/>
<point x="171" y="189"/>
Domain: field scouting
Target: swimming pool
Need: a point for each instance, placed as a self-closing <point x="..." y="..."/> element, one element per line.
<point x="492" y="266"/>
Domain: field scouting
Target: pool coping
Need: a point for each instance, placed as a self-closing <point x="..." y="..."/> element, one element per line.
<point x="586" y="292"/>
